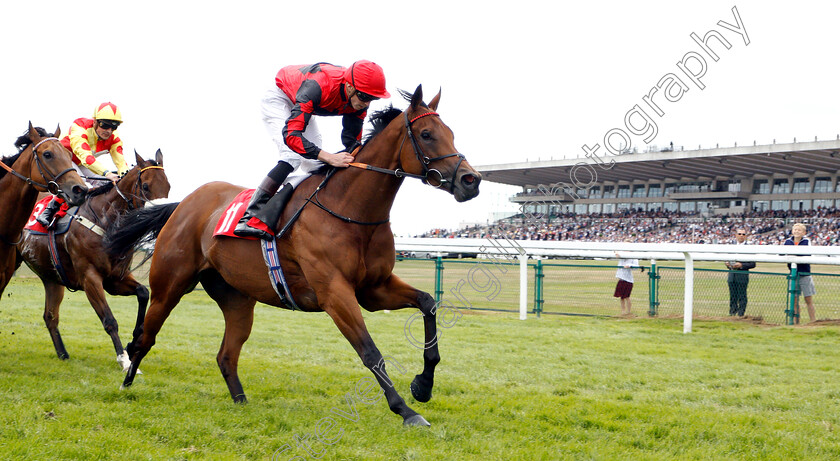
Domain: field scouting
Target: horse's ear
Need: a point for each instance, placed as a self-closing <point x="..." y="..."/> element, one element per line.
<point x="33" y="134"/>
<point x="159" y="157"/>
<point x="139" y="159"/>
<point x="434" y="103"/>
<point x="57" y="131"/>
<point x="417" y="98"/>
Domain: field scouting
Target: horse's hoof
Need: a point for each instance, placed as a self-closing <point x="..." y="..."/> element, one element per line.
<point x="416" y="420"/>
<point x="421" y="391"/>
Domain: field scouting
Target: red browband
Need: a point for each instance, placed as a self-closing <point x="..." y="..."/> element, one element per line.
<point x="423" y="115"/>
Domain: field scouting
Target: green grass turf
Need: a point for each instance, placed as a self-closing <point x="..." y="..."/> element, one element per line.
<point x="551" y="388"/>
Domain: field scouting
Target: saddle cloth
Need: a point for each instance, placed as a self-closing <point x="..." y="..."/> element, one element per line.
<point x="233" y="213"/>
<point x="63" y="222"/>
<point x="225" y="227"/>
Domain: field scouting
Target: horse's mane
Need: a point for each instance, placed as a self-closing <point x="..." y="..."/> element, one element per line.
<point x="110" y="185"/>
<point x="23" y="141"/>
<point x="9" y="161"/>
<point x="21" y="144"/>
<point x="94" y="191"/>
<point x="381" y="118"/>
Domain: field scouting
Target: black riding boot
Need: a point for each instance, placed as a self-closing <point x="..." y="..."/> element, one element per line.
<point x="46" y="216"/>
<point x="256" y="221"/>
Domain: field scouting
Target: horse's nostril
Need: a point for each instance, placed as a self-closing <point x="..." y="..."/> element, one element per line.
<point x="468" y="179"/>
<point x="78" y="190"/>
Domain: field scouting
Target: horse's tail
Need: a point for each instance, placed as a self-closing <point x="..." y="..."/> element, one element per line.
<point x="136" y="227"/>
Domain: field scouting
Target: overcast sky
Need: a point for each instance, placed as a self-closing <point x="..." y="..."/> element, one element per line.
<point x="521" y="80"/>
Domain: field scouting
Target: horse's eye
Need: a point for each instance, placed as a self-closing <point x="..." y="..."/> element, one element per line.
<point x="47" y="154"/>
<point x="426" y="135"/>
<point x="145" y="187"/>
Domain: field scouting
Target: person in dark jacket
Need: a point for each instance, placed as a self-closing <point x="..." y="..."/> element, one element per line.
<point x="739" y="278"/>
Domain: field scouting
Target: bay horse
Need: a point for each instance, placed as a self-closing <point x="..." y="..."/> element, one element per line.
<point x="82" y="263"/>
<point x="42" y="164"/>
<point x="339" y="254"/>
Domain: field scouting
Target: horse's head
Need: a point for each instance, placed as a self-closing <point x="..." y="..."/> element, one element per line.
<point x="52" y="167"/>
<point x="431" y="153"/>
<point x="146" y="181"/>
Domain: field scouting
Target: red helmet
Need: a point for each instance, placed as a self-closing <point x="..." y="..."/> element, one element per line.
<point x="367" y="77"/>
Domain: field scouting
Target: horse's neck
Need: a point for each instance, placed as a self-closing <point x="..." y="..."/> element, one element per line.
<point x="369" y="195"/>
<point x="108" y="206"/>
<point x="15" y="197"/>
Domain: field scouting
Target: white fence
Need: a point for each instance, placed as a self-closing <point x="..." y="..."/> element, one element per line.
<point x="524" y="249"/>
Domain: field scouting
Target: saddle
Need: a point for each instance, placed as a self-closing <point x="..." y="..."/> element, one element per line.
<point x="62" y="224"/>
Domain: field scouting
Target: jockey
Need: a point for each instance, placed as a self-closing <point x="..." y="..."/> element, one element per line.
<point x="300" y="92"/>
<point x="88" y="139"/>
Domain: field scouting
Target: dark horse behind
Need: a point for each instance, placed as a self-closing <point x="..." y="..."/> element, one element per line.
<point x="338" y="255"/>
<point x="80" y="261"/>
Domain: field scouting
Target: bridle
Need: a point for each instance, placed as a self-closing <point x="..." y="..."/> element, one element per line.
<point x="52" y="180"/>
<point x="424" y="161"/>
<point x="433" y="173"/>
<point x="129" y="197"/>
<point x="138" y="185"/>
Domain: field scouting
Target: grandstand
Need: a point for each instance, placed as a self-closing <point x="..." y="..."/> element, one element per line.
<point x="797" y="176"/>
<point x="673" y="195"/>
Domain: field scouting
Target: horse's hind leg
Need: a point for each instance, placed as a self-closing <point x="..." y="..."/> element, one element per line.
<point x="238" y="310"/>
<point x="54" y="294"/>
<point x="395" y="294"/>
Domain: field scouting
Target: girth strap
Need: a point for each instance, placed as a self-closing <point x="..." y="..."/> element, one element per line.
<point x="56" y="260"/>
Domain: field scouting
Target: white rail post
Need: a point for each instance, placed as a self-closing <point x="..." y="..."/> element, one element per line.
<point x="523" y="286"/>
<point x="688" y="313"/>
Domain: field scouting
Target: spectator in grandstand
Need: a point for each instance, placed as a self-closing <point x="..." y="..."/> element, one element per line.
<point x="624" y="287"/>
<point x="806" y="284"/>
<point x="739" y="278"/>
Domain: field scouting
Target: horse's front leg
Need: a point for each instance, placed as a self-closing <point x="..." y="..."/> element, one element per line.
<point x="395" y="294"/>
<point x="128" y="286"/>
<point x="339" y="301"/>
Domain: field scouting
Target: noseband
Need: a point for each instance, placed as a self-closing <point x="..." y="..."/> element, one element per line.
<point x="425" y="161"/>
<point x="52" y="180"/>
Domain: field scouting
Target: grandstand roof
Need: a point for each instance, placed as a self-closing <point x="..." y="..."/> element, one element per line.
<point x="726" y="162"/>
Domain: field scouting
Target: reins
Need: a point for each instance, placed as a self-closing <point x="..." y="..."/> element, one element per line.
<point x="424" y="161"/>
<point x="128" y="199"/>
<point x="137" y="185"/>
<point x="51" y="186"/>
